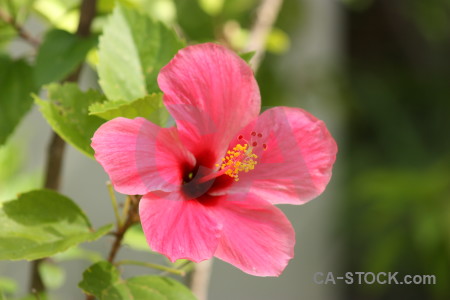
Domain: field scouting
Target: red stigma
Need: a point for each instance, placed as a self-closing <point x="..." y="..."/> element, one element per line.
<point x="259" y="135"/>
<point x="254" y="144"/>
<point x="240" y="137"/>
<point x="253" y="133"/>
<point x="264" y="146"/>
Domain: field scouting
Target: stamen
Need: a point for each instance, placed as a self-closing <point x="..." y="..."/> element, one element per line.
<point x="239" y="159"/>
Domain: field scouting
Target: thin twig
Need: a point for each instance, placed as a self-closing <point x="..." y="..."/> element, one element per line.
<point x="20" y="30"/>
<point x="56" y="148"/>
<point x="265" y="18"/>
<point x="132" y="218"/>
<point x="185" y="266"/>
<point x="126" y="207"/>
<point x="114" y="204"/>
<point x="152" y="266"/>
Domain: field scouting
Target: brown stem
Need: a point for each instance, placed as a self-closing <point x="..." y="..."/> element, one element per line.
<point x="20" y="30"/>
<point x="132" y="218"/>
<point x="52" y="180"/>
<point x="54" y="162"/>
<point x="87" y="15"/>
<point x="56" y="148"/>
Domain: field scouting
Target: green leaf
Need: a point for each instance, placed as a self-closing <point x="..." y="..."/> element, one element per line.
<point x="99" y="277"/>
<point x="60" y="54"/>
<point x="42" y="223"/>
<point x="7" y="286"/>
<point x="278" y="41"/>
<point x="132" y="50"/>
<point x="52" y="275"/>
<point x="16" y="85"/>
<point x="63" y="14"/>
<point x="67" y="113"/>
<point x="149" y="107"/>
<point x="39" y="296"/>
<point x="194" y="21"/>
<point x="78" y="253"/>
<point x="212" y="7"/>
<point x="7" y="33"/>
<point x="19" y="9"/>
<point x="14" y="177"/>
<point x="103" y="281"/>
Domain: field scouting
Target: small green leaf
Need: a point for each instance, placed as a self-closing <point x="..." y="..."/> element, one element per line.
<point x="103" y="281"/>
<point x="19" y="9"/>
<point x="60" y="54"/>
<point x="132" y="50"/>
<point x="182" y="264"/>
<point x="16" y="85"/>
<point x="99" y="277"/>
<point x="212" y="7"/>
<point x="278" y="41"/>
<point x="52" y="275"/>
<point x="11" y="160"/>
<point x="149" y="285"/>
<point x="149" y="107"/>
<point x="67" y="113"/>
<point x="7" y="285"/>
<point x="247" y="56"/>
<point x="135" y="239"/>
<point x="42" y="223"/>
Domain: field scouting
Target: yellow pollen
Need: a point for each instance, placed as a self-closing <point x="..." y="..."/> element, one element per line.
<point x="240" y="159"/>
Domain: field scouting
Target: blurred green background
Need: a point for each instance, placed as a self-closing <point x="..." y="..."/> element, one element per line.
<point x="378" y="73"/>
<point x="396" y="215"/>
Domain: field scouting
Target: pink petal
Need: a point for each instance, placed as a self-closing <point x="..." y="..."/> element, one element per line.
<point x="296" y="167"/>
<point x="178" y="227"/>
<point x="211" y="93"/>
<point x="256" y="236"/>
<point x="139" y="156"/>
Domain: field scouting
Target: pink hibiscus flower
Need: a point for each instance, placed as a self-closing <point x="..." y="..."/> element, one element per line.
<point x="211" y="182"/>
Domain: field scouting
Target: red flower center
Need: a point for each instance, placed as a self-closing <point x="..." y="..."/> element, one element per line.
<point x="241" y="158"/>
